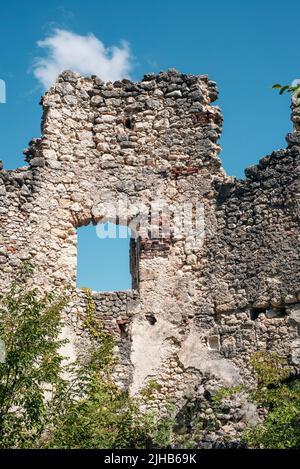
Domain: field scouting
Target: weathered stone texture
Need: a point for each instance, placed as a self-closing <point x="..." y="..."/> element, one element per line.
<point x="196" y="312"/>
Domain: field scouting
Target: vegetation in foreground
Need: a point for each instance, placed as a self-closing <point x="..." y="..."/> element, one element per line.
<point x="40" y="408"/>
<point x="278" y="392"/>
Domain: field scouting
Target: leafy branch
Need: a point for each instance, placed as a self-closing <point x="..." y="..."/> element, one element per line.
<point x="295" y="90"/>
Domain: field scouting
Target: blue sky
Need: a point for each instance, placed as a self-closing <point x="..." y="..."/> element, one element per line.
<point x="244" y="46"/>
<point x="111" y="256"/>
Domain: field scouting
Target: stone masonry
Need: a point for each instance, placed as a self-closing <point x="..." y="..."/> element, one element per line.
<point x="196" y="313"/>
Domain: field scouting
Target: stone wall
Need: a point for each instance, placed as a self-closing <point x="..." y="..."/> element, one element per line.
<point x="197" y="311"/>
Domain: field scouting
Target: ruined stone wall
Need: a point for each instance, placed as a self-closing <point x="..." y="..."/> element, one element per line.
<point x="197" y="311"/>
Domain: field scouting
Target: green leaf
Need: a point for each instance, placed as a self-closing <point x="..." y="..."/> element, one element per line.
<point x="276" y="86"/>
<point x="283" y="89"/>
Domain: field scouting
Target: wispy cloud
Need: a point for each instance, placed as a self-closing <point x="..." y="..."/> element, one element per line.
<point x="66" y="50"/>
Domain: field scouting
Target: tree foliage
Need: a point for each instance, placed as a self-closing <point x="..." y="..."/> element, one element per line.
<point x="279" y="395"/>
<point x="46" y="403"/>
<point x="294" y="89"/>
<point x="30" y="324"/>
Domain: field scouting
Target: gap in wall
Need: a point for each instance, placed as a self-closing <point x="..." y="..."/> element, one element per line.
<point x="104" y="257"/>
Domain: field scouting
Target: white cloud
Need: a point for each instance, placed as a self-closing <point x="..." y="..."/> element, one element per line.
<point x="84" y="54"/>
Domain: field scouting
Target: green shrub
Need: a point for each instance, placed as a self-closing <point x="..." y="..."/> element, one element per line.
<point x="40" y="409"/>
<point x="30" y="324"/>
<point x="281" y="400"/>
